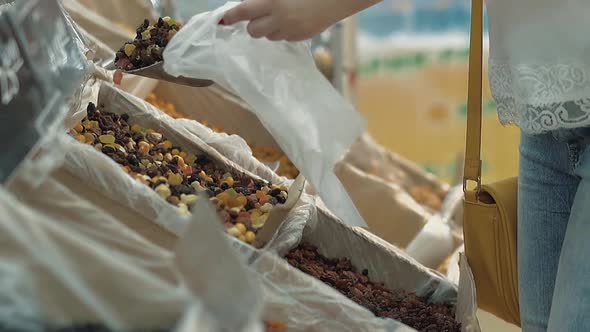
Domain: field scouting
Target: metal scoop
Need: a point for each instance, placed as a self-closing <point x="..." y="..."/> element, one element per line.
<point x="156" y="71"/>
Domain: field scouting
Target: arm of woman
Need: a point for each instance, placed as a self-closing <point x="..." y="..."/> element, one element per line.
<point x="292" y="20"/>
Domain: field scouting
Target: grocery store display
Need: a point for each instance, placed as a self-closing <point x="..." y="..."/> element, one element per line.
<point x="383" y="302"/>
<point x="179" y="177"/>
<point x="262" y="153"/>
<point x="140" y="194"/>
<point x="148" y="46"/>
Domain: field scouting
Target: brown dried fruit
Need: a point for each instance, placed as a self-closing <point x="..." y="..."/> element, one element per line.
<point x="400" y="305"/>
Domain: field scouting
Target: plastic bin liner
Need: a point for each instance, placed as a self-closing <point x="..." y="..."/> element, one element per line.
<point x="42" y="65"/>
<point x="310" y="121"/>
<point x="66" y="263"/>
<point x="384" y="262"/>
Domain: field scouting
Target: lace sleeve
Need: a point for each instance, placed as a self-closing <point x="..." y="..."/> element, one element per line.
<point x="541" y="97"/>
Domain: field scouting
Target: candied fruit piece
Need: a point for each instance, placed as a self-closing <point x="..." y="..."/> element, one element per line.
<point x="164" y="191"/>
<point x="107" y="139"/>
<point x="129" y="49"/>
<point x="250" y="236"/>
<point x="241" y="227"/>
<point x="175" y="179"/>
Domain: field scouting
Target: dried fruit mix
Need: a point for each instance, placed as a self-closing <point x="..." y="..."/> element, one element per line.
<point x="179" y="177"/>
<point x="425" y="195"/>
<point x="148" y="46"/>
<point x="165" y="106"/>
<point x="403" y="306"/>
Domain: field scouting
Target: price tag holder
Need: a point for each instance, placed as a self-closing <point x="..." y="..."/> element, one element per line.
<point x="40" y="66"/>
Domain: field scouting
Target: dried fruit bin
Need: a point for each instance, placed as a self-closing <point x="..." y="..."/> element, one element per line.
<point x="374" y="159"/>
<point x="99" y="171"/>
<point x="307" y="304"/>
<point x="384" y="263"/>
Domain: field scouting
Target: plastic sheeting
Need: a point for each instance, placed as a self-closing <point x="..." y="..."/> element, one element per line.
<point x="67" y="263"/>
<point x="42" y="66"/>
<point x="284" y="88"/>
<point x="442" y="235"/>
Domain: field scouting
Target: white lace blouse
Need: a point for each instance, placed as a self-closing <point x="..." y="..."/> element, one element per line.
<point x="539" y="66"/>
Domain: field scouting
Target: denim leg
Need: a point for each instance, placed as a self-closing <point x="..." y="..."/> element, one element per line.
<point x="571" y="300"/>
<point x="546" y="192"/>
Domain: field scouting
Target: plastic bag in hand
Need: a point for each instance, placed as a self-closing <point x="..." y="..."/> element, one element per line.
<point x="308" y="118"/>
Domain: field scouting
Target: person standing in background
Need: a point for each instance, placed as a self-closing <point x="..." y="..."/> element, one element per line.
<point x="539" y="71"/>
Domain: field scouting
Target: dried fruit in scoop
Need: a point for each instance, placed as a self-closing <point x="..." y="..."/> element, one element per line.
<point x="148" y="46"/>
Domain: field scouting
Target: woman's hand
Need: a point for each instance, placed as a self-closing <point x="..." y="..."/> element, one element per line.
<point x="292" y="20"/>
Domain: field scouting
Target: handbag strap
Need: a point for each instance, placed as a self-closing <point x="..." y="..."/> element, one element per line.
<point x="472" y="166"/>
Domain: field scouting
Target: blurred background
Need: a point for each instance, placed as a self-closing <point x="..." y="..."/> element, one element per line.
<point x="412" y="86"/>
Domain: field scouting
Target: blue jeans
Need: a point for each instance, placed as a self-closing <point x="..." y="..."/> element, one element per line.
<point x="554" y="231"/>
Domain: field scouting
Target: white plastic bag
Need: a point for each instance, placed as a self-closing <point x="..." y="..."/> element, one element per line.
<point x="435" y="242"/>
<point x="310" y="121"/>
<point x="440" y="236"/>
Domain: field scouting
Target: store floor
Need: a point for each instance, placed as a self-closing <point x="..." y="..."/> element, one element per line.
<point x="490" y="323"/>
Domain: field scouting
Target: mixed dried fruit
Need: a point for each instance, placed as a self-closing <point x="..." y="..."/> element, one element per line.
<point x="148" y="46"/>
<point x="271" y="154"/>
<point x="262" y="153"/>
<point x="272" y="326"/>
<point x="403" y="306"/>
<point x="425" y="195"/>
<point x="165" y="106"/>
<point x="179" y="176"/>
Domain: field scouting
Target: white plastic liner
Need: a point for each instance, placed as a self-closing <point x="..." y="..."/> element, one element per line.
<point x="66" y="263"/>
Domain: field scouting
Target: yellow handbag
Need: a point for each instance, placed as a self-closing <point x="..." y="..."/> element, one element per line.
<point x="489" y="224"/>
